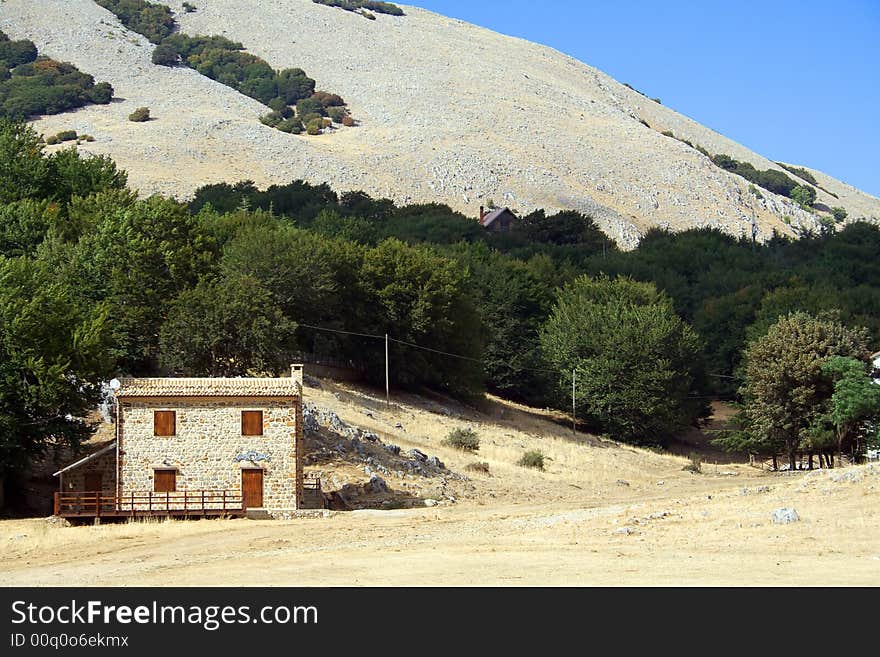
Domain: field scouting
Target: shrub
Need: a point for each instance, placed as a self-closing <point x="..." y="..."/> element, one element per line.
<point x="337" y="113"/>
<point x="361" y="7"/>
<point x="839" y="214"/>
<point x="348" y="122"/>
<point x="314" y="126"/>
<point x="140" y="115"/>
<point x="66" y="135"/>
<point x="327" y="99"/>
<point x="702" y="150"/>
<point x="188" y="7"/>
<point x="644" y="123"/>
<point x="657" y="100"/>
<point x="668" y="133"/>
<point x="368" y="15"/>
<point x="101" y="93"/>
<point x="154" y="21"/>
<point x="695" y="465"/>
<point x="165" y="55"/>
<point x="463" y="439"/>
<point x="804" y="195"/>
<point x="51" y="141"/>
<point x="800" y="172"/>
<point x="272" y="119"/>
<point x="326" y="122"/>
<point x="755" y="191"/>
<point x="478" y="466"/>
<point x="291" y="125"/>
<point x="532" y="459"/>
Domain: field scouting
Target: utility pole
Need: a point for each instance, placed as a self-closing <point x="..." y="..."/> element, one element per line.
<point x="573" y="408"/>
<point x="387" y="384"/>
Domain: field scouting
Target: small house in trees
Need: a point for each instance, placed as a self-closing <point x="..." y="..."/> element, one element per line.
<point x="194" y="447"/>
<point x="497" y="219"/>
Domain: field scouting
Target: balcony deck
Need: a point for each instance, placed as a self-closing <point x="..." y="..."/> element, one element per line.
<point x="177" y="504"/>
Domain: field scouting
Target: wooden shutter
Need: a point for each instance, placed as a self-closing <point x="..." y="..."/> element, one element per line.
<point x="252" y="423"/>
<point x="164" y="481"/>
<point x="164" y="423"/>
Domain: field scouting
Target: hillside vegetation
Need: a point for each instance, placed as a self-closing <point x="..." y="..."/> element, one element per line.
<point x="32" y="85"/>
<point x="296" y="106"/>
<point x="95" y="282"/>
<point x="442" y="117"/>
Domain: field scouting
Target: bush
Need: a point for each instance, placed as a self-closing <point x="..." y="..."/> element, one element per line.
<point x="188" y="7"/>
<point x="66" y="135"/>
<point x="532" y="459"/>
<point x="327" y="99"/>
<point x="154" y="21"/>
<point x="478" y="466"/>
<point x="165" y="55"/>
<point x="695" y="465"/>
<point x="101" y="93"/>
<point x="140" y="115"/>
<point x="839" y="214"/>
<point x="668" y="133"/>
<point x="463" y="439"/>
<point x="804" y="195"/>
<point x="337" y="114"/>
<point x="51" y="141"/>
<point x="361" y="7"/>
<point x="348" y="122"/>
<point x="315" y="126"/>
<point x="32" y="85"/>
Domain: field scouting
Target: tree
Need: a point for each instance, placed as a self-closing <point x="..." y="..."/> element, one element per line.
<point x="637" y="362"/>
<point x="804" y="195"/>
<point x="855" y="403"/>
<point x="226" y="327"/>
<point x="52" y="355"/>
<point x="785" y="390"/>
<point x="24" y="172"/>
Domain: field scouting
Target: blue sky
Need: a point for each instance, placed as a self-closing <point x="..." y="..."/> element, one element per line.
<point x="796" y="81"/>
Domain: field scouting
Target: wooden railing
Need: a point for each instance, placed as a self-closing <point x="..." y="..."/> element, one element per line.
<point x="185" y="502"/>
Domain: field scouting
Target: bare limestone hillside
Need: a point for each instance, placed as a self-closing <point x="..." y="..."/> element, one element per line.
<point x="448" y="112"/>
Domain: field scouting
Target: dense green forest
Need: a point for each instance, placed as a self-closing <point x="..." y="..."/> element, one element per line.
<point x="97" y="282"/>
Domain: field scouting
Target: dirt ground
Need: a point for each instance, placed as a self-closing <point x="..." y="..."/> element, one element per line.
<point x="599" y="514"/>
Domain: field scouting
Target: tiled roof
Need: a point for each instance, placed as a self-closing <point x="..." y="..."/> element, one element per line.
<point x="208" y="387"/>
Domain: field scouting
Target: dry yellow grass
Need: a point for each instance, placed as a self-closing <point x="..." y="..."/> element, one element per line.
<point x="573" y="524"/>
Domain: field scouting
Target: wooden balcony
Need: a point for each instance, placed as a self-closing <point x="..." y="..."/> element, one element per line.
<point x="183" y="504"/>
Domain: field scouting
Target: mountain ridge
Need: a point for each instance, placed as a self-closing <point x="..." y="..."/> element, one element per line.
<point x="449" y="112"/>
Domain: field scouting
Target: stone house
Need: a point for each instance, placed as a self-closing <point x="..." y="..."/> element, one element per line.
<point x="195" y="446"/>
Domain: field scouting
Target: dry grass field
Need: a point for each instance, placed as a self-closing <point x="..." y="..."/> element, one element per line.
<point x="599" y="514"/>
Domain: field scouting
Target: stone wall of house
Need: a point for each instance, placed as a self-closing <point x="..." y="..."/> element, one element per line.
<point x="208" y="449"/>
<point x="74" y="481"/>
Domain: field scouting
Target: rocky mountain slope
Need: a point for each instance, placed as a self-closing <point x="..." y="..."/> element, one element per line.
<point x="448" y="112"/>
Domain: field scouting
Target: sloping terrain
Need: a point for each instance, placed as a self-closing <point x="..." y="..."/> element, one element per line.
<point x="448" y="112"/>
<point x="600" y="513"/>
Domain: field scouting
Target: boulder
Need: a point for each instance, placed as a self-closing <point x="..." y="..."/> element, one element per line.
<point x="377" y="484"/>
<point x="784" y="516"/>
<point x="418" y="455"/>
<point x="434" y="462"/>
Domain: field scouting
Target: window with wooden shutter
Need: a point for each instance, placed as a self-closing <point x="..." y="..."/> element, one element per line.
<point x="164" y="481"/>
<point x="164" y="423"/>
<point x="252" y="423"/>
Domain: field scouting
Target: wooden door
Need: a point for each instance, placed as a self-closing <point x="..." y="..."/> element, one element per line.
<point x="93" y="482"/>
<point x="252" y="488"/>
